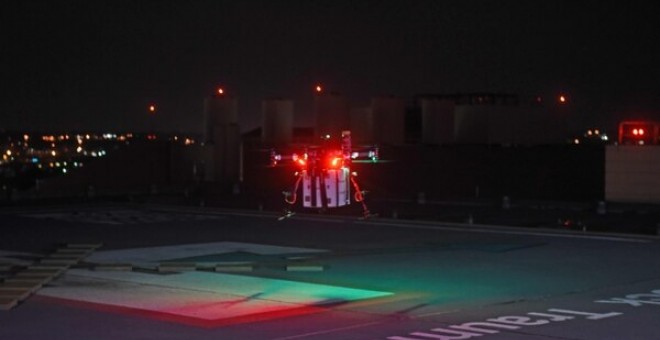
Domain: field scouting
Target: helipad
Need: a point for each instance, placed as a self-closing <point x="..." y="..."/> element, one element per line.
<point x="198" y="298"/>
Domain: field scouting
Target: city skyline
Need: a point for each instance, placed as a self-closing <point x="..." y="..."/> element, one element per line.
<point x="73" y="65"/>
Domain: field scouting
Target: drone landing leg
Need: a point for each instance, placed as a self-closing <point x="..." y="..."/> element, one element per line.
<point x="287" y="213"/>
<point x="290" y="199"/>
<point x="359" y="197"/>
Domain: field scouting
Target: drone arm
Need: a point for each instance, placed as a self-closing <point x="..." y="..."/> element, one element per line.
<point x="291" y="196"/>
<point x="276" y="157"/>
<point x="370" y="153"/>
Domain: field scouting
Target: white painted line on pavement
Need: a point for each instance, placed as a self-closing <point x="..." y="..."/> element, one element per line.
<point x="509" y="232"/>
<point x="247" y="213"/>
<point x="426" y="315"/>
<point x="328" y="331"/>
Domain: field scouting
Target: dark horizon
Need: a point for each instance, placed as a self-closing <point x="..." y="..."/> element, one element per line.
<point x="76" y="65"/>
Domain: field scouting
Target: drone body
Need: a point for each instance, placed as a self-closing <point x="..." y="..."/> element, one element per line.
<point x="325" y="174"/>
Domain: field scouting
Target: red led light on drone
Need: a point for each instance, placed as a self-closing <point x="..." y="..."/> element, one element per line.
<point x="335" y="162"/>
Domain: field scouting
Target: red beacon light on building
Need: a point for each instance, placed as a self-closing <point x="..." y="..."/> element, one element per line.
<point x="324" y="176"/>
<point x="639" y="133"/>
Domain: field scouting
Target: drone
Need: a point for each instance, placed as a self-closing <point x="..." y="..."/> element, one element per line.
<point x="324" y="172"/>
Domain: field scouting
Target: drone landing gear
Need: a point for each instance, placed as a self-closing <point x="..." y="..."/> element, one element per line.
<point x="359" y="197"/>
<point x="290" y="199"/>
<point x="287" y="213"/>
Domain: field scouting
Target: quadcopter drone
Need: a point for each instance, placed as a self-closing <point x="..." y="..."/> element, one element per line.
<point x="325" y="174"/>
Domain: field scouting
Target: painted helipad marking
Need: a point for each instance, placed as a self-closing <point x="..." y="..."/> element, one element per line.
<point x="38" y="274"/>
<point x="234" y="266"/>
<point x="120" y="216"/>
<point x="499" y="230"/>
<point x="200" y="298"/>
<point x="304" y="268"/>
<point x="16" y="258"/>
<point x="150" y="257"/>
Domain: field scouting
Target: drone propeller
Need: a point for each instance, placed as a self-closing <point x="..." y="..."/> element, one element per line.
<point x="369" y="161"/>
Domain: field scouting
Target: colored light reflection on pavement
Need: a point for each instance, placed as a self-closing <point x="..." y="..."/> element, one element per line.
<point x="199" y="298"/>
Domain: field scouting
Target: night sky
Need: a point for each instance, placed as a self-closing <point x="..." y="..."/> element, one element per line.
<point x="97" y="65"/>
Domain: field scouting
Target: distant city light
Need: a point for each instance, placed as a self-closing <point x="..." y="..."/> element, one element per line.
<point x="152" y="108"/>
<point x="221" y="91"/>
<point x="563" y="99"/>
<point x="319" y="88"/>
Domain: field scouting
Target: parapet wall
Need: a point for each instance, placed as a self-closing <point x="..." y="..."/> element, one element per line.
<point x="632" y="174"/>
